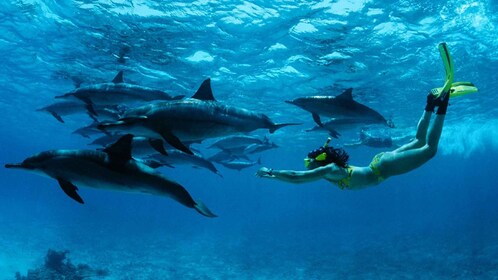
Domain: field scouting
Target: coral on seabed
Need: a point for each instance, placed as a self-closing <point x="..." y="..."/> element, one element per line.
<point x="58" y="267"/>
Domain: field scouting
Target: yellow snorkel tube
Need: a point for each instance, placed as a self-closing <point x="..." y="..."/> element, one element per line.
<point x="455" y="89"/>
<point x="320" y="157"/>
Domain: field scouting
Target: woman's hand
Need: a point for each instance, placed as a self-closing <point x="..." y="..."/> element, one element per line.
<point x="265" y="172"/>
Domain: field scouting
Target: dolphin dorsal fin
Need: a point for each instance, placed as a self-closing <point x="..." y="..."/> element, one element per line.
<point x="119" y="78"/>
<point x="347" y="94"/>
<point x="120" y="151"/>
<point x="204" y="92"/>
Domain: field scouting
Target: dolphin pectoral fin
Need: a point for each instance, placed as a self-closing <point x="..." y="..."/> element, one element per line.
<point x="201" y="208"/>
<point x="91" y="110"/>
<point x="70" y="189"/>
<point x="157" y="144"/>
<point x="89" y="106"/>
<point x="175" y="142"/>
<point x="317" y="119"/>
<point x="57" y="116"/>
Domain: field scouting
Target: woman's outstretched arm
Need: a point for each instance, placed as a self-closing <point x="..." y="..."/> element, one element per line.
<point x="331" y="172"/>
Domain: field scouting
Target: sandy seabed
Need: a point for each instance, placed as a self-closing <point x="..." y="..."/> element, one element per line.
<point x="156" y="254"/>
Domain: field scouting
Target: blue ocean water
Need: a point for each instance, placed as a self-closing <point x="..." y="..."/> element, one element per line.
<point x="437" y="222"/>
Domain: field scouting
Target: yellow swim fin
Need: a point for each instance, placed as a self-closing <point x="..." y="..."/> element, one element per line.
<point x="459" y="88"/>
<point x="448" y="68"/>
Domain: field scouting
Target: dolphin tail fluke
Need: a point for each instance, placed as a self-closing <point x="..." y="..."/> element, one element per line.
<point x="280" y="125"/>
<point x="201" y="208"/>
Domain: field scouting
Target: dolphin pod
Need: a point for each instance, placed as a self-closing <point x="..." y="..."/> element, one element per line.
<point x="169" y="119"/>
<point x="193" y="119"/>
<point x="113" y="169"/>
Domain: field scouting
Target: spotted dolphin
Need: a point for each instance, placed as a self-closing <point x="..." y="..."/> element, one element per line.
<point x="193" y="119"/>
<point x="65" y="108"/>
<point x="341" y="106"/>
<point x="116" y="92"/>
<point x="176" y="157"/>
<point x="235" y="141"/>
<point x="113" y="169"/>
<point x="334" y="125"/>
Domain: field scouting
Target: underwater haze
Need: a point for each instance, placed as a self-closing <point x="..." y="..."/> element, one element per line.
<point x="439" y="221"/>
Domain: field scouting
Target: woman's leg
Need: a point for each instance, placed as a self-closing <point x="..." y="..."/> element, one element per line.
<point x="402" y="161"/>
<point x="421" y="136"/>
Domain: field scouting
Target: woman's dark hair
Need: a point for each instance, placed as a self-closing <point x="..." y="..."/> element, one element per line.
<point x="334" y="155"/>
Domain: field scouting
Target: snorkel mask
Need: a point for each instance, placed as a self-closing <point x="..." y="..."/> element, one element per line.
<point x="319" y="154"/>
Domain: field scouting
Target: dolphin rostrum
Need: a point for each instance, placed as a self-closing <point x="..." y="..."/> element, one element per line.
<point x="341" y="106"/>
<point x="113" y="169"/>
<point x="193" y="119"/>
<point x="116" y="92"/>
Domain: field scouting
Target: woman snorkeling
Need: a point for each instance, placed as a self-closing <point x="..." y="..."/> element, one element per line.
<point x="332" y="164"/>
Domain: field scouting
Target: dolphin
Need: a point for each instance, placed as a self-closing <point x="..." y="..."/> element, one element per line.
<point x="239" y="165"/>
<point x="142" y="146"/>
<point x="65" y="108"/>
<point x="341" y="106"/>
<point x="176" y="157"/>
<point x="193" y="119"/>
<point x="378" y="140"/>
<point x="239" y="146"/>
<point x="113" y="169"/>
<point x="235" y="141"/>
<point x="342" y="124"/>
<point x="226" y="156"/>
<point x="105" y="140"/>
<point x="89" y="130"/>
<point x="115" y="92"/>
<point x="257" y="148"/>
